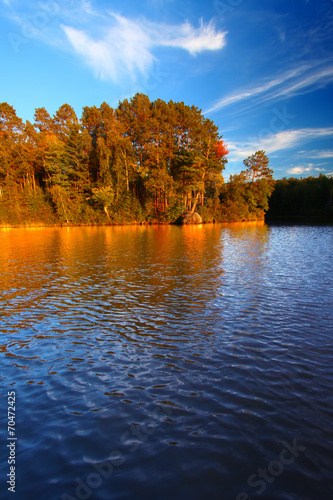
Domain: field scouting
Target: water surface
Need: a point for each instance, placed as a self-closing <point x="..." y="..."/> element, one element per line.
<point x="169" y="362"/>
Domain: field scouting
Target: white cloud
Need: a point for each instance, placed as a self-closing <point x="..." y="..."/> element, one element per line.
<point x="299" y="80"/>
<point x="113" y="46"/>
<point x="192" y="39"/>
<point x="86" y="7"/>
<point x="320" y="78"/>
<point x="321" y="154"/>
<point x="284" y="140"/>
<point x="239" y="151"/>
<point x="126" y="47"/>
<point x="299" y="170"/>
<point x="302" y="169"/>
<point x="251" y="92"/>
<point x="291" y="138"/>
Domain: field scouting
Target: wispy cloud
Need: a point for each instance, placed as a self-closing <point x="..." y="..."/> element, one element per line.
<point x="127" y="46"/>
<point x="302" y="79"/>
<point x="115" y="47"/>
<point x="186" y="37"/>
<point x="291" y="138"/>
<point x="260" y="89"/>
<point x="284" y="140"/>
<point x="321" y="154"/>
<point x="124" y="49"/>
<point x="302" y="169"/>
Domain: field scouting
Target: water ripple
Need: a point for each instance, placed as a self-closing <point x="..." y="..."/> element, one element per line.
<point x="192" y="353"/>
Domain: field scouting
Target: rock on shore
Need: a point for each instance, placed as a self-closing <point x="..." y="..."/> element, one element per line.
<point x="189" y="218"/>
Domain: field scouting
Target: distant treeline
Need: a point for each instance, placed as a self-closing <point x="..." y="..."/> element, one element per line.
<point x="308" y="197"/>
<point x="145" y="161"/>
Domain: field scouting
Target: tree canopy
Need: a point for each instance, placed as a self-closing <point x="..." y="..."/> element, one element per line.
<point x="246" y="195"/>
<point x="305" y="197"/>
<point x="143" y="161"/>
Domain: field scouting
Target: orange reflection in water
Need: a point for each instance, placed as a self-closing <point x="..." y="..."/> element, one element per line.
<point x="65" y="279"/>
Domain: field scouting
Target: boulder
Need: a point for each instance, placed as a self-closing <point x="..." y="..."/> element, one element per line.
<point x="189" y="218"/>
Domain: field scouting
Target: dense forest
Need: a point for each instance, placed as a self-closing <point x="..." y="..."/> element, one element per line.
<point x="308" y="197"/>
<point x="145" y="161"/>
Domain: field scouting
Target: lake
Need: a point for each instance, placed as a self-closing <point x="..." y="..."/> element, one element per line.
<point x="168" y="362"/>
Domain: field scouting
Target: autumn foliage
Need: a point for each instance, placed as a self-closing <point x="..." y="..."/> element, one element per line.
<point x="144" y="161"/>
<point x="221" y="149"/>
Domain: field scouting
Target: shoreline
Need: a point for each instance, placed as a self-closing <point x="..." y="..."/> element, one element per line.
<point x="299" y="219"/>
<point x="65" y="225"/>
<point x="286" y="219"/>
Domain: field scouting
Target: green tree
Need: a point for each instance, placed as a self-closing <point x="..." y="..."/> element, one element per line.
<point x="77" y="150"/>
<point x="246" y="195"/>
<point x="11" y="139"/>
<point x="62" y="121"/>
<point x="43" y="121"/>
<point x="199" y="162"/>
<point x="91" y="121"/>
<point x="234" y="199"/>
<point x="160" y="183"/>
<point x="260" y="177"/>
<point x="257" y="166"/>
<point x="104" y="197"/>
<point x="311" y="196"/>
<point x="146" y="159"/>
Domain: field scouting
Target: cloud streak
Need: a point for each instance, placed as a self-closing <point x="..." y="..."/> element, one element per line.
<point x="321" y="154"/>
<point x="284" y="140"/>
<point x="300" y="80"/>
<point x="292" y="138"/>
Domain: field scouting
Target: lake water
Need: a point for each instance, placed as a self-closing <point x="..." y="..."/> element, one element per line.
<point x="168" y="363"/>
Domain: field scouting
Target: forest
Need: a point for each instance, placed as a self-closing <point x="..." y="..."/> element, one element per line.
<point x="307" y="197"/>
<point x="143" y="162"/>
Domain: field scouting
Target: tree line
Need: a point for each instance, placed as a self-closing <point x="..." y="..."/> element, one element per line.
<point x="305" y="197"/>
<point x="145" y="161"/>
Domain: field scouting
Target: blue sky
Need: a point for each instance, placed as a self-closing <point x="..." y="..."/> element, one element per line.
<point x="262" y="70"/>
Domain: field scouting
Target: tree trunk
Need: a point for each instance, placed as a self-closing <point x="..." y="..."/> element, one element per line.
<point x="65" y="212"/>
<point x="126" y="170"/>
<point x="106" y="211"/>
<point x="195" y="203"/>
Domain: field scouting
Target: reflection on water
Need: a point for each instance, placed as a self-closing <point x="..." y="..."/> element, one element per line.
<point x="188" y="354"/>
